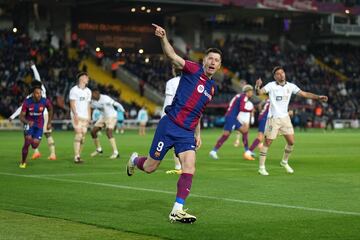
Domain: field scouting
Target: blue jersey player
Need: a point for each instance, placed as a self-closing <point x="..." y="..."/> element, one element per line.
<point x="179" y="128"/>
<point x="262" y="119"/>
<point x="237" y="104"/>
<point x="32" y="115"/>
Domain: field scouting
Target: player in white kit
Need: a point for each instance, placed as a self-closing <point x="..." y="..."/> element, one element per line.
<point x="108" y="120"/>
<point x="170" y="91"/>
<point x="80" y="97"/>
<point x="47" y="132"/>
<point x="278" y="121"/>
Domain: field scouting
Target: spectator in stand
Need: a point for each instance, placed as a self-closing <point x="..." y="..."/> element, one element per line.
<point x="329" y="113"/>
<point x="304" y="117"/>
<point x="142" y="119"/>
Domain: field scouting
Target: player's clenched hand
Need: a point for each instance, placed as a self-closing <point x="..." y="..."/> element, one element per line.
<point x="323" y="98"/>
<point x="258" y="82"/>
<point x="159" y="31"/>
<point x="30" y="123"/>
<point x="198" y="142"/>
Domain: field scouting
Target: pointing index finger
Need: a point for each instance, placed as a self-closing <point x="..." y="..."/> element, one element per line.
<point x="155" y="25"/>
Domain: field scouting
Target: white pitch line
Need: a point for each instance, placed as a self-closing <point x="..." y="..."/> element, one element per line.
<point x="72" y="174"/>
<point x="192" y="195"/>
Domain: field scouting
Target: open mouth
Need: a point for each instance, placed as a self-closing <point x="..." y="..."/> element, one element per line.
<point x="211" y="68"/>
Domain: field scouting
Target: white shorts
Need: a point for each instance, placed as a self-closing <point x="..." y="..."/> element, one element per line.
<point x="82" y="124"/>
<point x="275" y="126"/>
<point x="109" y="123"/>
<point x="244" y="117"/>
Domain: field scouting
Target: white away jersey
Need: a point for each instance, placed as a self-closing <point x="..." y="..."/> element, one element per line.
<point x="82" y="98"/>
<point x="106" y="105"/>
<point x="279" y="98"/>
<point x="170" y="91"/>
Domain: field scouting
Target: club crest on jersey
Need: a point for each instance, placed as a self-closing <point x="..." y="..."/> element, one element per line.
<point x="157" y="154"/>
<point x="212" y="91"/>
<point x="200" y="88"/>
<point x="41" y="108"/>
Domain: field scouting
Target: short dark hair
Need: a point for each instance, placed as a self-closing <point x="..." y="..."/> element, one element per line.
<point x="95" y="89"/>
<point x="275" y="69"/>
<point x="213" y="50"/>
<point x="80" y="74"/>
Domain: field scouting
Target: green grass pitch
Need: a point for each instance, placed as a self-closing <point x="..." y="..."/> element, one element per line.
<point x="96" y="200"/>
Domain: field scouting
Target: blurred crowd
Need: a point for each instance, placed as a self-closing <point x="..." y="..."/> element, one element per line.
<point x="248" y="59"/>
<point x="251" y="59"/>
<point x="57" y="65"/>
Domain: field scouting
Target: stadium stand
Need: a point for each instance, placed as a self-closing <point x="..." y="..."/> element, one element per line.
<point x="57" y="69"/>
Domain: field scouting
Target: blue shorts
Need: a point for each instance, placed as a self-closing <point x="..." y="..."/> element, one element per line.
<point x="168" y="135"/>
<point x="262" y="124"/>
<point x="34" y="132"/>
<point x="231" y="124"/>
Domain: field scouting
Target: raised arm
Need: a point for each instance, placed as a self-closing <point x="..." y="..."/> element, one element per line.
<point x="258" y="89"/>
<point x="15" y="114"/>
<point x="168" y="50"/>
<point x="36" y="72"/>
<point x="313" y="96"/>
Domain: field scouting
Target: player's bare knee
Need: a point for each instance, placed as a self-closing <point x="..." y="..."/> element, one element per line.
<point x="268" y="142"/>
<point x="78" y="137"/>
<point x="226" y="133"/>
<point x="150" y="168"/>
<point x="109" y="133"/>
<point x="35" y="143"/>
<point x="93" y="133"/>
<point x="190" y="170"/>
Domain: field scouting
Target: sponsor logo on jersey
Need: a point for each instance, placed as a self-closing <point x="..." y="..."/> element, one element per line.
<point x="200" y="88"/>
<point x="279" y="98"/>
<point x="208" y="95"/>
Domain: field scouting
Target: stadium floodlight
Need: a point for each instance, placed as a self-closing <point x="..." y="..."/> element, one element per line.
<point x="15" y="30"/>
<point x="97" y="49"/>
<point x="347" y="11"/>
<point x="158" y="9"/>
<point x="119" y="50"/>
<point x="141" y="51"/>
<point x="133" y="10"/>
<point x="148" y="10"/>
<point x="147" y="60"/>
<point x="143" y="8"/>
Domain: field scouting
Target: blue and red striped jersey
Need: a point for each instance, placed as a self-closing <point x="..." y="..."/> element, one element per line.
<point x="194" y="92"/>
<point x="34" y="110"/>
<point x="265" y="110"/>
<point x="236" y="105"/>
